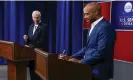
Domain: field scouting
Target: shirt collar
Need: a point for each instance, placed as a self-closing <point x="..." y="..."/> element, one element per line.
<point x="37" y="24"/>
<point x="96" y="22"/>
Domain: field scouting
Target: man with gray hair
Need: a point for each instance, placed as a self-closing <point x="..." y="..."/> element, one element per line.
<point x="37" y="38"/>
<point x="38" y="32"/>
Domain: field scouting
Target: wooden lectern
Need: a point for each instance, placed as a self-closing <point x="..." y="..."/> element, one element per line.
<point x="49" y="67"/>
<point x="18" y="57"/>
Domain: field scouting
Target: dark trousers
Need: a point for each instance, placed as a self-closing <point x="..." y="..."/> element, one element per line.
<point x="33" y="75"/>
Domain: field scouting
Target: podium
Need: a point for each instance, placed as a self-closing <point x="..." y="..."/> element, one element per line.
<point x="49" y="67"/>
<point x="18" y="57"/>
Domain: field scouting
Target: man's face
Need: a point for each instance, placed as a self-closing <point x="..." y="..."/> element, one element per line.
<point x="89" y="15"/>
<point x="36" y="18"/>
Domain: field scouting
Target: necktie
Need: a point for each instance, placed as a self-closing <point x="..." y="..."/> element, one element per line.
<point x="35" y="27"/>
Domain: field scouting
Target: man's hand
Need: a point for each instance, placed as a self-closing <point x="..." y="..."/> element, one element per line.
<point x="27" y="46"/>
<point x="74" y="60"/>
<point x="64" y="57"/>
<point x="25" y="38"/>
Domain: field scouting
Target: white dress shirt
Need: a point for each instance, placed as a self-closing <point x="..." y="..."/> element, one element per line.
<point x="94" y="24"/>
<point x="35" y="27"/>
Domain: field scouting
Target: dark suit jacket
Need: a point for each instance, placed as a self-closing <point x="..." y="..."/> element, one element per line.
<point x="99" y="50"/>
<point x="40" y="37"/>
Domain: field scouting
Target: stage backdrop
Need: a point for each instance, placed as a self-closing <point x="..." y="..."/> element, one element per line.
<point x="122" y="20"/>
<point x="122" y="15"/>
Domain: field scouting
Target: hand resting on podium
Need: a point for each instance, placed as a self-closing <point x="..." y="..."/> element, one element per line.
<point x="68" y="58"/>
<point x="27" y="46"/>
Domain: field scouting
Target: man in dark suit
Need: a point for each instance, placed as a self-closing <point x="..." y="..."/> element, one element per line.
<point x="99" y="49"/>
<point x="37" y="38"/>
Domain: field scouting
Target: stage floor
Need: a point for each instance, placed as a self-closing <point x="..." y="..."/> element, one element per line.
<point x="122" y="71"/>
<point x="3" y="73"/>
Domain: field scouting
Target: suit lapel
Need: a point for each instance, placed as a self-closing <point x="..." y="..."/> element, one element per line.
<point x="94" y="31"/>
<point x="36" y="32"/>
<point x="92" y="34"/>
<point x="31" y="31"/>
<point x="88" y="35"/>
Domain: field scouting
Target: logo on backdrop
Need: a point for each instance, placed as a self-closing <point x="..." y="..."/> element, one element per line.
<point x="122" y="15"/>
<point x="126" y="19"/>
<point x="128" y="7"/>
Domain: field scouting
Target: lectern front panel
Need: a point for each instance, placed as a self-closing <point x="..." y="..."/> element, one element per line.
<point x="6" y="51"/>
<point x="41" y="66"/>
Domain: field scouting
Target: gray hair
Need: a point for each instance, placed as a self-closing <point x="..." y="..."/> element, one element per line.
<point x="36" y="12"/>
